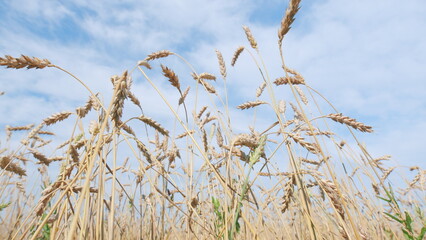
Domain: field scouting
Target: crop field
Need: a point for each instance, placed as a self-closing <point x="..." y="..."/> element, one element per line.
<point x="199" y="173"/>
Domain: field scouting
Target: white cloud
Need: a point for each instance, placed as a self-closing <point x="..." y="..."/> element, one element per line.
<point x="367" y="57"/>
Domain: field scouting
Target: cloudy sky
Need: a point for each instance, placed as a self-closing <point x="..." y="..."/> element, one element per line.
<point x="367" y="57"/>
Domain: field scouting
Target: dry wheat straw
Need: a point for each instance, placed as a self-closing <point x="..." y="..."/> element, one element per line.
<point x="350" y="122"/>
<point x="151" y="122"/>
<point x="250" y="37"/>
<point x="222" y="65"/>
<point x="251" y="104"/>
<point x="236" y="55"/>
<point x="56" y="118"/>
<point x="288" y="19"/>
<point x="24" y="61"/>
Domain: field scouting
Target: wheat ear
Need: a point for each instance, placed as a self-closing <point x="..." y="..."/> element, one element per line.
<point x="350" y="122"/>
<point x="236" y="55"/>
<point x="171" y="75"/>
<point x="221" y="64"/>
<point x="7" y="164"/>
<point x="151" y="122"/>
<point x="56" y="118"/>
<point x="250" y="37"/>
<point x="159" y="54"/>
<point x="24" y="61"/>
<point x="288" y="19"/>
<point x="251" y="104"/>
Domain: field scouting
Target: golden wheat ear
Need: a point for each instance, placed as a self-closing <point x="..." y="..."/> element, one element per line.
<point x="24" y="62"/>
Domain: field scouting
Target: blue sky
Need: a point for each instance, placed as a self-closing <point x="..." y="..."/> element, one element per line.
<point x="367" y="57"/>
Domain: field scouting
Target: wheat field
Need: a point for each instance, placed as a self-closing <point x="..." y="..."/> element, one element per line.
<point x="198" y="174"/>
